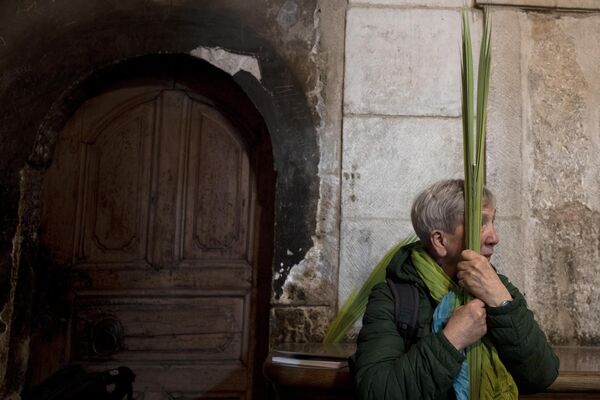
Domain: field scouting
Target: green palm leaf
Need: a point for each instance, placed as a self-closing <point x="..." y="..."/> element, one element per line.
<point x="355" y="305"/>
<point x="474" y="134"/>
<point x="474" y="155"/>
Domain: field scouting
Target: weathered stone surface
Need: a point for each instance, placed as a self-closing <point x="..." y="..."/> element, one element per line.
<point x="313" y="281"/>
<point x="364" y="243"/>
<point x="308" y="283"/>
<point x="299" y="324"/>
<point x="566" y="4"/>
<point x="564" y="222"/>
<point x="402" y="62"/>
<point x="227" y="61"/>
<point x="509" y="255"/>
<point x="567" y="273"/>
<point x="288" y="14"/>
<point x="388" y="161"/>
<point x="578" y="358"/>
<point x="16" y="312"/>
<point x="328" y="55"/>
<point x="585" y="34"/>
<point x="328" y="228"/>
<point x="505" y="123"/>
<point x="422" y="3"/>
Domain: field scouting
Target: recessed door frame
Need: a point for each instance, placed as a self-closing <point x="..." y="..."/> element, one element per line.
<point x="241" y="112"/>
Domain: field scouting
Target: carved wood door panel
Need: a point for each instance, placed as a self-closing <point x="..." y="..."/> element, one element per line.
<point x="150" y="207"/>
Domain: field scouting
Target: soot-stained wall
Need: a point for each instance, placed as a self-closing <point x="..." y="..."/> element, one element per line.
<point x="50" y="51"/>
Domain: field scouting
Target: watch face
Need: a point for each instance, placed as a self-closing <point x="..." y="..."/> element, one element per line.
<point x="505" y="303"/>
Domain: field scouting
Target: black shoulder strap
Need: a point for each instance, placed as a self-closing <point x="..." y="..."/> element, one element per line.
<point x="406" y="305"/>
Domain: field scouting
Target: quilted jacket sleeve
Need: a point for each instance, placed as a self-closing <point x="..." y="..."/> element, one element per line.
<point x="521" y="344"/>
<point x="385" y="370"/>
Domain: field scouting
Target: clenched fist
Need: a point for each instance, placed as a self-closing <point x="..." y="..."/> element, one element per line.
<point x="466" y="325"/>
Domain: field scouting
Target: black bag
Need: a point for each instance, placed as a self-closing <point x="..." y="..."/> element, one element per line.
<point x="406" y="306"/>
<point x="73" y="383"/>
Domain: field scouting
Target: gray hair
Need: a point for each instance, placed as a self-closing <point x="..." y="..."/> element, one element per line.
<point x="442" y="206"/>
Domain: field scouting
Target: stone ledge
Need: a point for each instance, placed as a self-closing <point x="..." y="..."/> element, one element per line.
<point x="555" y="4"/>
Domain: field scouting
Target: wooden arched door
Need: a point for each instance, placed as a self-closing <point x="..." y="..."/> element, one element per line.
<point x="150" y="209"/>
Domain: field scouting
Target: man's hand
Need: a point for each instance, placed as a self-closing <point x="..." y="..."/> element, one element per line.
<point x="466" y="325"/>
<point x="475" y="273"/>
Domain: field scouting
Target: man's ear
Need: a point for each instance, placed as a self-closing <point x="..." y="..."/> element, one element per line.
<point x="437" y="244"/>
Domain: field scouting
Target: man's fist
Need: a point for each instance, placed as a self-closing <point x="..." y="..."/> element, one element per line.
<point x="466" y="325"/>
<point x="475" y="273"/>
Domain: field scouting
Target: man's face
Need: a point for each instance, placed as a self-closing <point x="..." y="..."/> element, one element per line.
<point x="489" y="237"/>
<point x="455" y="241"/>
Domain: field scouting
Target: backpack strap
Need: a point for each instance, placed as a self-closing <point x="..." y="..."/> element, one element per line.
<point x="406" y="306"/>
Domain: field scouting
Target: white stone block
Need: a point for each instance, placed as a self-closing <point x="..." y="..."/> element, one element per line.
<point x="402" y="62"/>
<point x="388" y="161"/>
<point x="505" y="122"/>
<point x="416" y="3"/>
<point x="364" y="243"/>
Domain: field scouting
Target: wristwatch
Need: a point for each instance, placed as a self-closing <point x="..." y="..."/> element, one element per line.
<point x="505" y="303"/>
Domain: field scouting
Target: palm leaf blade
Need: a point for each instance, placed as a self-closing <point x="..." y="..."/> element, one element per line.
<point x="475" y="161"/>
<point x="356" y="304"/>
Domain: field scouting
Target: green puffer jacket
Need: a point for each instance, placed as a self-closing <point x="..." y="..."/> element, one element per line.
<point x="384" y="369"/>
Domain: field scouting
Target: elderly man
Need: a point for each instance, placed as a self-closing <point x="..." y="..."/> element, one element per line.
<point x="479" y="340"/>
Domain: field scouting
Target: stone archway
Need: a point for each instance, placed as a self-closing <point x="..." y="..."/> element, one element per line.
<point x="210" y="154"/>
<point x="51" y="61"/>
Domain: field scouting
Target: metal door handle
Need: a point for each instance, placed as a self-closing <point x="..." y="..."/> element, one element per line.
<point x="107" y="336"/>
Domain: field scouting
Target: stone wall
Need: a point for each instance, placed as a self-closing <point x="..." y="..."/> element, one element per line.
<point x="362" y="101"/>
<point x="286" y="55"/>
<point x="401" y="124"/>
<point x="402" y="131"/>
<point x="561" y="101"/>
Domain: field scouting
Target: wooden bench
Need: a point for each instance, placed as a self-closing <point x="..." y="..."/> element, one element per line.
<point x="313" y="383"/>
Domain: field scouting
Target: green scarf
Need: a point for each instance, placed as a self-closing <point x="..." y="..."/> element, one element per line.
<point x="488" y="377"/>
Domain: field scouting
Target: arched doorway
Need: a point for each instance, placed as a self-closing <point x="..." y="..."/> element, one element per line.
<point x="157" y="220"/>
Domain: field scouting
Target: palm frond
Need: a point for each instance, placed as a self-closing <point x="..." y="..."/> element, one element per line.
<point x="474" y="134"/>
<point x="355" y="305"/>
<point x="474" y="155"/>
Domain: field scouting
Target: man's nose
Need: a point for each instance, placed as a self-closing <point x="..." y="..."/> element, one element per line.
<point x="491" y="236"/>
